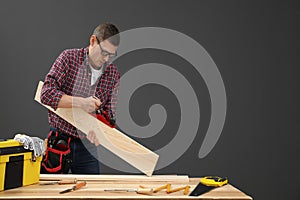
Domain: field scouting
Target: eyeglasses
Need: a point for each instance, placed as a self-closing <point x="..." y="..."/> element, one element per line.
<point x="106" y="53"/>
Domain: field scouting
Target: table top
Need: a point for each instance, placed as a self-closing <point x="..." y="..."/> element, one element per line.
<point x="95" y="190"/>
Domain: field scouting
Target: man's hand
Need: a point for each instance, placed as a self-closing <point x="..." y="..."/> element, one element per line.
<point x="92" y="137"/>
<point x="90" y="104"/>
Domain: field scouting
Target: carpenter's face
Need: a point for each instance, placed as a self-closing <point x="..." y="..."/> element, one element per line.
<point x="99" y="53"/>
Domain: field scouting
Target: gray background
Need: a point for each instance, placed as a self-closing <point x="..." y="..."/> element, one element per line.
<point x="254" y="45"/>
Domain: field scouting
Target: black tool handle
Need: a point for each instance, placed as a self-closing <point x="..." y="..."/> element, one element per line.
<point x="200" y="189"/>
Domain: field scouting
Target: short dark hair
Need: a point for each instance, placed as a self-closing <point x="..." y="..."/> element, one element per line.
<point x="107" y="31"/>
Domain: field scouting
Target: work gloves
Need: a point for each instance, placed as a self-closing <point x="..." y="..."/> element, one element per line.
<point x="32" y="143"/>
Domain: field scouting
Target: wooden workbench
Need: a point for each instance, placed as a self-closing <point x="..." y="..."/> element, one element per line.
<point x="95" y="190"/>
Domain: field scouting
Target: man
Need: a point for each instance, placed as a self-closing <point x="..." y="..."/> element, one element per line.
<point x="81" y="78"/>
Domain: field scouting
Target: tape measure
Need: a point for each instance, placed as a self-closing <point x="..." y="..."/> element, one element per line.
<point x="208" y="183"/>
<point x="214" y="181"/>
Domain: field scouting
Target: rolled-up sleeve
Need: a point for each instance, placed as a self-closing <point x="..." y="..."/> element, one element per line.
<point x="52" y="89"/>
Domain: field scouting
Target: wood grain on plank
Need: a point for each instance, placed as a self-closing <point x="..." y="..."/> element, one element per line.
<point x="95" y="190"/>
<point x="112" y="139"/>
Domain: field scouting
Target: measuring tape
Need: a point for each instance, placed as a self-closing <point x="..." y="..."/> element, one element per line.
<point x="214" y="181"/>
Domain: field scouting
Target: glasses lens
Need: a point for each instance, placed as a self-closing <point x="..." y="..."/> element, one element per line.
<point x="105" y="53"/>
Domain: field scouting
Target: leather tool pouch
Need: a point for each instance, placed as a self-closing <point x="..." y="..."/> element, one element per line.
<point x="57" y="159"/>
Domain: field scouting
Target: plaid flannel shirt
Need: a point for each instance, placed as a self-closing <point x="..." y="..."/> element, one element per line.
<point x="71" y="75"/>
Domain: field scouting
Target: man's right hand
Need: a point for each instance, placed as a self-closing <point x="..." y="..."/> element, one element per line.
<point x="90" y="104"/>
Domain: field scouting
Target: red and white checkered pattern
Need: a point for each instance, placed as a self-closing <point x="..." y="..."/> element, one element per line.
<point x="71" y="75"/>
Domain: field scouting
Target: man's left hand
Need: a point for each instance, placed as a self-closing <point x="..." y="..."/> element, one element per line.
<point x="92" y="137"/>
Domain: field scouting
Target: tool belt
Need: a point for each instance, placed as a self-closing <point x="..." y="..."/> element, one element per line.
<point x="57" y="159"/>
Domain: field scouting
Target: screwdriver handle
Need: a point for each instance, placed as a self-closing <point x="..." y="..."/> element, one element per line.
<point x="79" y="185"/>
<point x="147" y="191"/>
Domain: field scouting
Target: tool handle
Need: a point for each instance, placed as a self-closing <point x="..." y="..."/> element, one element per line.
<point x="79" y="185"/>
<point x="168" y="187"/>
<point x="161" y="188"/>
<point x="147" y="191"/>
<point x="176" y="189"/>
<point x="67" y="182"/>
<point x="186" y="190"/>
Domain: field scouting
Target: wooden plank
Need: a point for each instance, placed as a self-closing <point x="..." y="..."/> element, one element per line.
<point x="116" y="178"/>
<point x="112" y="139"/>
<point x="95" y="190"/>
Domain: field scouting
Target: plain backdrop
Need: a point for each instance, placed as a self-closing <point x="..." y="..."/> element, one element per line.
<point x="255" y="45"/>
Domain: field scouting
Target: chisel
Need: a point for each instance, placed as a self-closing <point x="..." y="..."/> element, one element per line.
<point x="146" y="191"/>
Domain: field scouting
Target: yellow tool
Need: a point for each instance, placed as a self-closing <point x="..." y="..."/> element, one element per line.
<point x="214" y="181"/>
<point x="162" y="187"/>
<point x="208" y="183"/>
<point x="168" y="189"/>
<point x="185" y="192"/>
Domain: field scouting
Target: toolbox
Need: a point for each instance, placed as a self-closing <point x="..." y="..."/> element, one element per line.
<point x="18" y="166"/>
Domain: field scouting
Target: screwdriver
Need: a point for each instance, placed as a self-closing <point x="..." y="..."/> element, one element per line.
<point x="146" y="191"/>
<point x="75" y="187"/>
